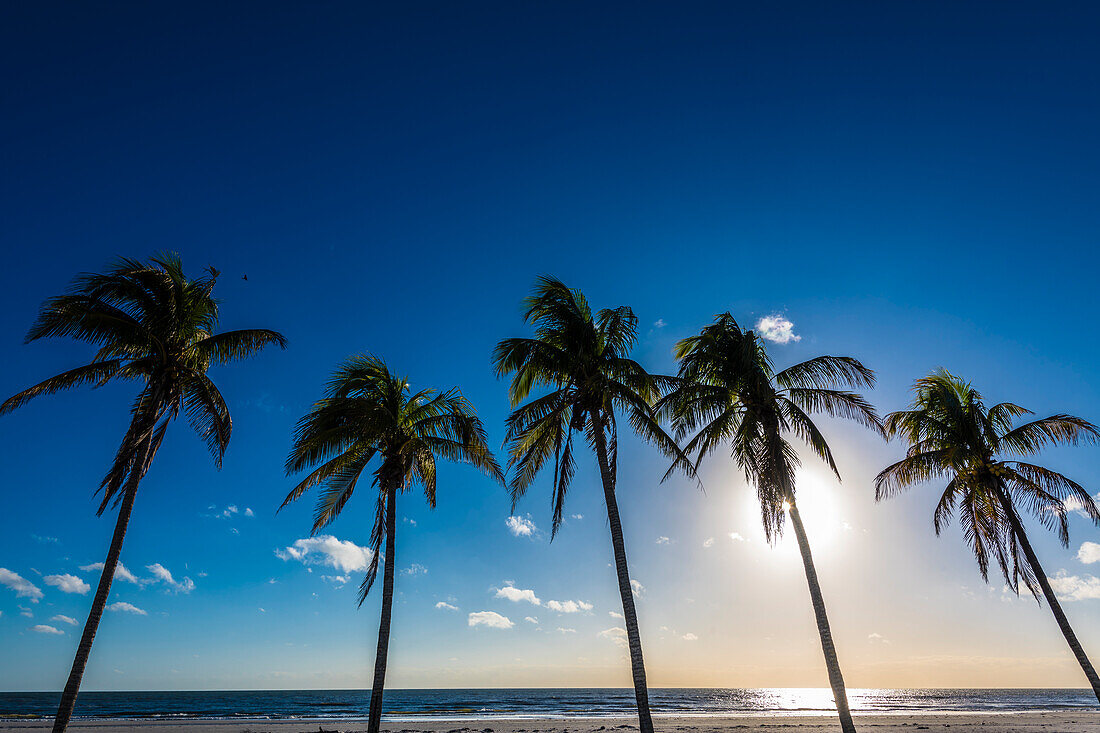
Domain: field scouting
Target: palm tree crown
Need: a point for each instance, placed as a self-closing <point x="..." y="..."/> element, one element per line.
<point x="952" y="436"/>
<point x="153" y="325"/>
<point x="583" y="359"/>
<point x="727" y="392"/>
<point x="368" y="412"/>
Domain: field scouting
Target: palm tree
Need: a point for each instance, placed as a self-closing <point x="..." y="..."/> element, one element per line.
<point x="156" y="327"/>
<point x="953" y="437"/>
<point x="583" y="360"/>
<point x="727" y="392"/>
<point x="369" y="413"/>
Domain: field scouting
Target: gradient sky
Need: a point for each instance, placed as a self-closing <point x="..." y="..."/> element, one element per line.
<point x="913" y="184"/>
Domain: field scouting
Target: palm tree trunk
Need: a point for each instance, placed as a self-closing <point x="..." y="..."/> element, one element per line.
<point x="1052" y="599"/>
<point x="374" y="718"/>
<point x="630" y="615"/>
<point x="832" y="664"/>
<point x="103" y="590"/>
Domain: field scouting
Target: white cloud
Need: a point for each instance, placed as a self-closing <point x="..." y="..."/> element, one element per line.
<point x="337" y="580"/>
<point x="566" y="631"/>
<point x="690" y="637"/>
<point x="326" y="550"/>
<point x="492" y="619"/>
<point x="45" y="540"/>
<point x="1073" y="504"/>
<point x="736" y="537"/>
<point x="45" y="629"/>
<point x="662" y="540"/>
<point x="411" y="522"/>
<point x="578" y="517"/>
<point x="1075" y="588"/>
<point x="415" y="569"/>
<point x="1089" y="553"/>
<point x="568" y="606"/>
<point x="637" y="587"/>
<point x="446" y="606"/>
<point x="121" y="573"/>
<point x="24" y="611"/>
<point x="67" y="583"/>
<point x="516" y="595"/>
<point x="65" y="620"/>
<point x="708" y="542"/>
<point x="877" y="638"/>
<point x="520" y="526"/>
<point x="23" y="588"/>
<point x="184" y="585"/>
<point x="659" y="323"/>
<point x="248" y="512"/>
<point x="777" y="329"/>
<point x="127" y="607"/>
<point x="531" y="619"/>
<point x="616" y="634"/>
<point x="614" y="614"/>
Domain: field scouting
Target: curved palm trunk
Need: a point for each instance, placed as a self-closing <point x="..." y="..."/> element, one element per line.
<point x="630" y="615"/>
<point x="832" y="664"/>
<point x="374" y="718"/>
<point x="103" y="590"/>
<point x="1052" y="599"/>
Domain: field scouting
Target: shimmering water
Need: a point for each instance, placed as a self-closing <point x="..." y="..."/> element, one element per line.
<point x="536" y="703"/>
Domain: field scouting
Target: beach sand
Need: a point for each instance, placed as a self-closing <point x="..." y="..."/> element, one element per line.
<point x="1079" y="722"/>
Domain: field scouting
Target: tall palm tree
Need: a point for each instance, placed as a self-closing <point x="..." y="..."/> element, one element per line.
<point x="582" y="359"/>
<point x="153" y="326"/>
<point x="727" y="391"/>
<point x="953" y="437"/>
<point x="370" y="413"/>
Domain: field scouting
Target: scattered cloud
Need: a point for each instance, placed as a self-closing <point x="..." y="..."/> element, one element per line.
<point x="123" y="606"/>
<point x="616" y="634"/>
<point x="121" y="573"/>
<point x="578" y="517"/>
<point x="326" y="550"/>
<point x="1074" y="587"/>
<point x="65" y="620"/>
<point x="662" y="540"/>
<point x="45" y="540"/>
<point x="877" y="638"/>
<point x="614" y="614"/>
<point x="531" y="619"/>
<point x="23" y="588"/>
<point x="1075" y="505"/>
<point x="690" y="637"/>
<point x="637" y="587"/>
<point x="408" y="521"/>
<point x="659" y="323"/>
<point x="184" y="585"/>
<point x="520" y="526"/>
<point x="46" y="629"/>
<point x="337" y="580"/>
<point x="24" y="611"/>
<point x="564" y="630"/>
<point x="1089" y="553"/>
<point x="415" y="569"/>
<point x="248" y="512"/>
<point x="514" y="594"/>
<point x="708" y="542"/>
<point x="568" y="606"/>
<point x="446" y="606"/>
<point x="777" y="329"/>
<point x="492" y="619"/>
<point x="736" y="537"/>
<point x="67" y="583"/>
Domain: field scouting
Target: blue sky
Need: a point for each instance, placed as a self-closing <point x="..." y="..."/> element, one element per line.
<point x="913" y="185"/>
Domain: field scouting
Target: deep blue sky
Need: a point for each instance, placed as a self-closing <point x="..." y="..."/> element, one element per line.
<point x="914" y="184"/>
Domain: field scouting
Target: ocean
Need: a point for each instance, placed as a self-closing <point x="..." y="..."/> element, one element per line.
<point x="536" y="703"/>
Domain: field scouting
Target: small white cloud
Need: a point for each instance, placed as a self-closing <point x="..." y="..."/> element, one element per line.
<point x="65" y="620"/>
<point x="736" y="537"/>
<point x="659" y="323"/>
<point x="578" y="517"/>
<point x="67" y="583"/>
<point x="23" y="588"/>
<point x="415" y="569"/>
<point x="161" y="573"/>
<point x="45" y="629"/>
<point x="264" y="610"/>
<point x="123" y="606"/>
<point x="531" y="620"/>
<point x="248" y="512"/>
<point x="492" y="619"/>
<point x="690" y="637"/>
<point x="121" y="573"/>
<point x="564" y="630"/>
<point x="777" y="329"/>
<point x="45" y="540"/>
<point x="520" y="526"/>
<point x="877" y="638"/>
<point x="26" y="612"/>
<point x="411" y="522"/>
<point x="1088" y="553"/>
<point x="1075" y="505"/>
<point x="337" y="580"/>
<point x="708" y="542"/>
<point x="616" y="634"/>
<point x="443" y="605"/>
<point x="1075" y="588"/>
<point x="326" y="550"/>
<point x="614" y="614"/>
<point x="637" y="587"/>
<point x="568" y="606"/>
<point x="516" y="595"/>
<point x="662" y="540"/>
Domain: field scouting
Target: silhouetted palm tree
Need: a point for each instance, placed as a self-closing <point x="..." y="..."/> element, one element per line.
<point x="369" y="414"/>
<point x="583" y="360"/>
<point x="953" y="437"/>
<point x="728" y="393"/>
<point x="156" y="327"/>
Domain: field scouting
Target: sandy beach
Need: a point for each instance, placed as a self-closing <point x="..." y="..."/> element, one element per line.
<point x="1078" y="722"/>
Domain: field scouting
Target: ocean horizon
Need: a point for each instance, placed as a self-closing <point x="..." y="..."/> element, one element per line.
<point x="511" y="703"/>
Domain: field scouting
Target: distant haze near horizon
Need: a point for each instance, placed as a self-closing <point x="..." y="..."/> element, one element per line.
<point x="911" y="185"/>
